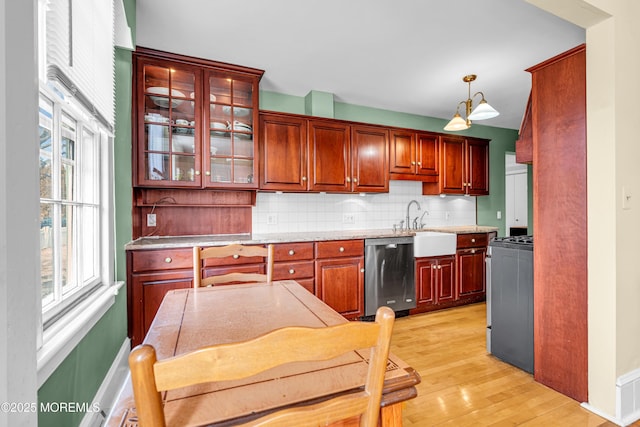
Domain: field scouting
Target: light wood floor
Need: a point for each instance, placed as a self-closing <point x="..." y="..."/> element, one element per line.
<point x="463" y="385"/>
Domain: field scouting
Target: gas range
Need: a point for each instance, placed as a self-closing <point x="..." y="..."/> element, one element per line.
<point x="515" y="242"/>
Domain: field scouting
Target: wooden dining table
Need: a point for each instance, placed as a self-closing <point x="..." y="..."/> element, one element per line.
<point x="192" y="318"/>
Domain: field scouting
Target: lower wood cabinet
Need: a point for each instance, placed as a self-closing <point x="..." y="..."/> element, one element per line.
<point x="339" y="271"/>
<point x="435" y="281"/>
<point x="471" y="252"/>
<point x="295" y="261"/>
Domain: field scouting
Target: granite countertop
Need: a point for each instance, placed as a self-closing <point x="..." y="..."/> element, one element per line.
<point x="310" y="236"/>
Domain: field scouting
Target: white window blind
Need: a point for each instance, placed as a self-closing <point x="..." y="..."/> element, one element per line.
<point x="80" y="54"/>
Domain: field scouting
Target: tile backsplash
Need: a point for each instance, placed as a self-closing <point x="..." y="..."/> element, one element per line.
<point x="296" y="212"/>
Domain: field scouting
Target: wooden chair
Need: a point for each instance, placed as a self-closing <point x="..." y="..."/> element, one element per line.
<point x="234" y="251"/>
<point x="244" y="359"/>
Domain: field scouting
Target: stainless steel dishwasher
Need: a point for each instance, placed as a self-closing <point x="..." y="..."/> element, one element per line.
<point x="389" y="277"/>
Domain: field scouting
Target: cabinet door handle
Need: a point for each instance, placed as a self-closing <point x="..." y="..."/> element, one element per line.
<point x="291" y="271"/>
<point x="168" y="260"/>
<point x="341" y="249"/>
<point x="198" y="173"/>
<point x="207" y="173"/>
<point x="348" y="179"/>
<point x="236" y="256"/>
<point x="433" y="267"/>
<point x="419" y="163"/>
<point x="439" y="267"/>
<point x="362" y="270"/>
<point x="413" y="163"/>
<point x="304" y="178"/>
<point x="292" y="252"/>
<point x="355" y="179"/>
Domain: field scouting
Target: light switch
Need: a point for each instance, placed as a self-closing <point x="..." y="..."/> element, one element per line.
<point x="626" y="197"/>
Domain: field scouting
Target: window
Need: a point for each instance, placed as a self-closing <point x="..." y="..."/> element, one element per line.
<point x="70" y="220"/>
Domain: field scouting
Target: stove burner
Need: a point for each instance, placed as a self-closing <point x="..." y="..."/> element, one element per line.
<point x="519" y="240"/>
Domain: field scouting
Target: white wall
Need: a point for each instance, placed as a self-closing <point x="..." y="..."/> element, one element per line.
<point x="295" y="212"/>
<point x="19" y="211"/>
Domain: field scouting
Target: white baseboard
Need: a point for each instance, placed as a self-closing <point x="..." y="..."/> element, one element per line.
<point x="627" y="400"/>
<point x="628" y="397"/>
<point x="110" y="388"/>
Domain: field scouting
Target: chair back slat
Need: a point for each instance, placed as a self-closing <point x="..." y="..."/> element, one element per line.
<point x="235" y="251"/>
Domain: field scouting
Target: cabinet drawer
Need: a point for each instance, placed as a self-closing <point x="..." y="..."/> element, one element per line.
<point x="473" y="240"/>
<point x="293" y="251"/>
<point x="293" y="270"/>
<point x="339" y="248"/>
<point x="164" y="259"/>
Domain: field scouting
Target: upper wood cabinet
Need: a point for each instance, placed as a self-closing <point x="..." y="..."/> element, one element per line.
<point x="283" y="152"/>
<point x="524" y="143"/>
<point x="193" y="122"/>
<point x="413" y="156"/>
<point x="369" y="159"/>
<point x="464" y="167"/>
<point x="299" y="153"/>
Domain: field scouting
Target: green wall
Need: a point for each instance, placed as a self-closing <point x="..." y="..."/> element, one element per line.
<point x="80" y="375"/>
<point x="502" y="141"/>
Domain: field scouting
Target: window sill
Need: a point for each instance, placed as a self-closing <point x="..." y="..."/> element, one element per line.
<point x="67" y="332"/>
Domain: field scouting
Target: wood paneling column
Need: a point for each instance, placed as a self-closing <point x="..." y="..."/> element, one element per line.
<point x="560" y="222"/>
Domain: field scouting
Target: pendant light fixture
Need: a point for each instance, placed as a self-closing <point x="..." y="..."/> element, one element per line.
<point x="482" y="112"/>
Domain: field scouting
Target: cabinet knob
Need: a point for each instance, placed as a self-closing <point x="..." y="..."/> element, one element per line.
<point x="355" y="179"/>
<point x="362" y="270"/>
<point x="473" y="251"/>
<point x="291" y="271"/>
<point x="236" y="256"/>
<point x="168" y="260"/>
<point x="304" y="178"/>
<point x="433" y="267"/>
<point x="473" y="240"/>
<point x="341" y="249"/>
<point x="292" y="252"/>
<point x="207" y="173"/>
<point x="419" y="163"/>
<point x="439" y="267"/>
<point x="198" y="173"/>
<point x="413" y="163"/>
<point x="348" y="179"/>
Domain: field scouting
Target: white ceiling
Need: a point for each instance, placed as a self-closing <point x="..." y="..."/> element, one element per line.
<point x="403" y="55"/>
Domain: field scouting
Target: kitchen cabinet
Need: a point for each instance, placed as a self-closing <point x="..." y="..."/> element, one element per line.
<point x="194" y="122"/>
<point x="283" y="152"/>
<point x="435" y="281"/>
<point x="471" y="251"/>
<point x="345" y="158"/>
<point x="300" y="153"/>
<point x="295" y="261"/>
<point x="339" y="272"/>
<point x="524" y="143"/>
<point x="413" y="155"/>
<point x="151" y="274"/>
<point x="464" y="167"/>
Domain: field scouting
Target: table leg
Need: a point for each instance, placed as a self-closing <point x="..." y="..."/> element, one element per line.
<point x="391" y="416"/>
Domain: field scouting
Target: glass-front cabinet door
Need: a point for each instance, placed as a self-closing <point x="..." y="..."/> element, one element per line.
<point x="194" y="122"/>
<point x="169" y="124"/>
<point x="230" y="116"/>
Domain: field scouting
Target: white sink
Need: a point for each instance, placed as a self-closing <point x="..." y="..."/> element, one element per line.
<point x="433" y="243"/>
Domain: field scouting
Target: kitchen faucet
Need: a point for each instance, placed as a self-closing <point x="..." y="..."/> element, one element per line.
<point x="408" y="219"/>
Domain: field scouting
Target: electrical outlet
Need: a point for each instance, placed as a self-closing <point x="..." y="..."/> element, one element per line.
<point x="272" y="219"/>
<point x="499" y="215"/>
<point x="348" y="218"/>
<point x="151" y="220"/>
